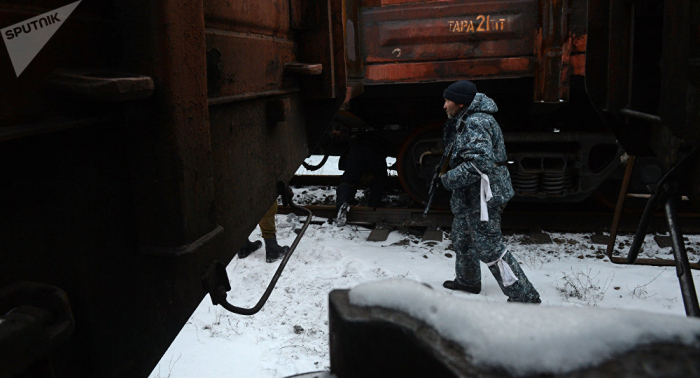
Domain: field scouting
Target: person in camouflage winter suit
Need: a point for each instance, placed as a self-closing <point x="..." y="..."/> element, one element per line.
<point x="475" y="143"/>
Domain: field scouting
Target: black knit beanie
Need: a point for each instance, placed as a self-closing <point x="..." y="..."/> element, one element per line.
<point x="460" y="92"/>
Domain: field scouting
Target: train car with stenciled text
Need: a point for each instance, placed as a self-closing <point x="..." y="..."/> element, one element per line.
<point x="580" y="85"/>
<point x="143" y="141"/>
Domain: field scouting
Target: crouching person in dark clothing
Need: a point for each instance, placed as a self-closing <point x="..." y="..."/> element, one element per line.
<point x="363" y="164"/>
<point x="481" y="187"/>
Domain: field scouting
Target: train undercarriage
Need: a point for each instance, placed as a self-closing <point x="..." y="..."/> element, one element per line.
<point x="556" y="152"/>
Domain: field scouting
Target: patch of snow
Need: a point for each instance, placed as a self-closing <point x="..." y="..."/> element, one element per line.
<point x="527" y="339"/>
<point x="570" y="272"/>
<point x="330" y="168"/>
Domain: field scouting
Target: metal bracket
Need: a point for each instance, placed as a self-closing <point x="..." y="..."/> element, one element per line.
<point x="215" y="280"/>
<point x="303" y="68"/>
<point x="665" y="191"/>
<point x="103" y="85"/>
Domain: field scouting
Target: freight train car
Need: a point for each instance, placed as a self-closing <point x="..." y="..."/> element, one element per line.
<point x="141" y="143"/>
<point x="573" y="81"/>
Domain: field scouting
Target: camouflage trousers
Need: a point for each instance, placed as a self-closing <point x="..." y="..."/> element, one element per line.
<point x="474" y="240"/>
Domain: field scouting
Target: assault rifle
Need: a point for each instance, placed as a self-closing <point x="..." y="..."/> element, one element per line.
<point x="440" y="169"/>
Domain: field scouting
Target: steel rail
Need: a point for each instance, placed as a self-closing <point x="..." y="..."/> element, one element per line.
<point x="513" y="219"/>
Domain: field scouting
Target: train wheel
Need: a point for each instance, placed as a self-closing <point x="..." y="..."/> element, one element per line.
<point x="416" y="162"/>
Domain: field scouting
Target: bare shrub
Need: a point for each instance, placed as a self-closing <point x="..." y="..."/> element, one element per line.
<point x="640" y="291"/>
<point x="584" y="286"/>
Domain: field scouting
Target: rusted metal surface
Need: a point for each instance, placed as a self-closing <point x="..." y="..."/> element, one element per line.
<point x="325" y="45"/>
<point x="255" y="43"/>
<point x="377" y="3"/>
<point x="181" y="131"/>
<point x="448" y="31"/>
<point x="263" y="18"/>
<point x="249" y="63"/>
<point x="429" y="34"/>
<point x="552" y="50"/>
<point x="577" y="59"/>
<point x="618" y="208"/>
<point x="303" y="68"/>
<point x="518" y="52"/>
<point x="127" y="214"/>
<point x="440" y="41"/>
<point x="252" y="95"/>
<point x="448" y="70"/>
<point x="303" y="14"/>
<point x="353" y="47"/>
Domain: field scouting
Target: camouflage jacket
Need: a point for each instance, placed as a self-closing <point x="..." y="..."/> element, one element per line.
<point x="476" y="138"/>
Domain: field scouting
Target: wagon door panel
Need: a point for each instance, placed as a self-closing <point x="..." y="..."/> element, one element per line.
<point x="445" y="40"/>
<point x="272" y="81"/>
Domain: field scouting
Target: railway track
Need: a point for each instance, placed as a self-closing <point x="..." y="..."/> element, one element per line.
<point x="532" y="219"/>
<point x="519" y="219"/>
<point x="589" y="216"/>
<point x="513" y="220"/>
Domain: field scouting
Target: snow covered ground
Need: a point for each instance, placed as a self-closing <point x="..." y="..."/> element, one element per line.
<point x="290" y="334"/>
